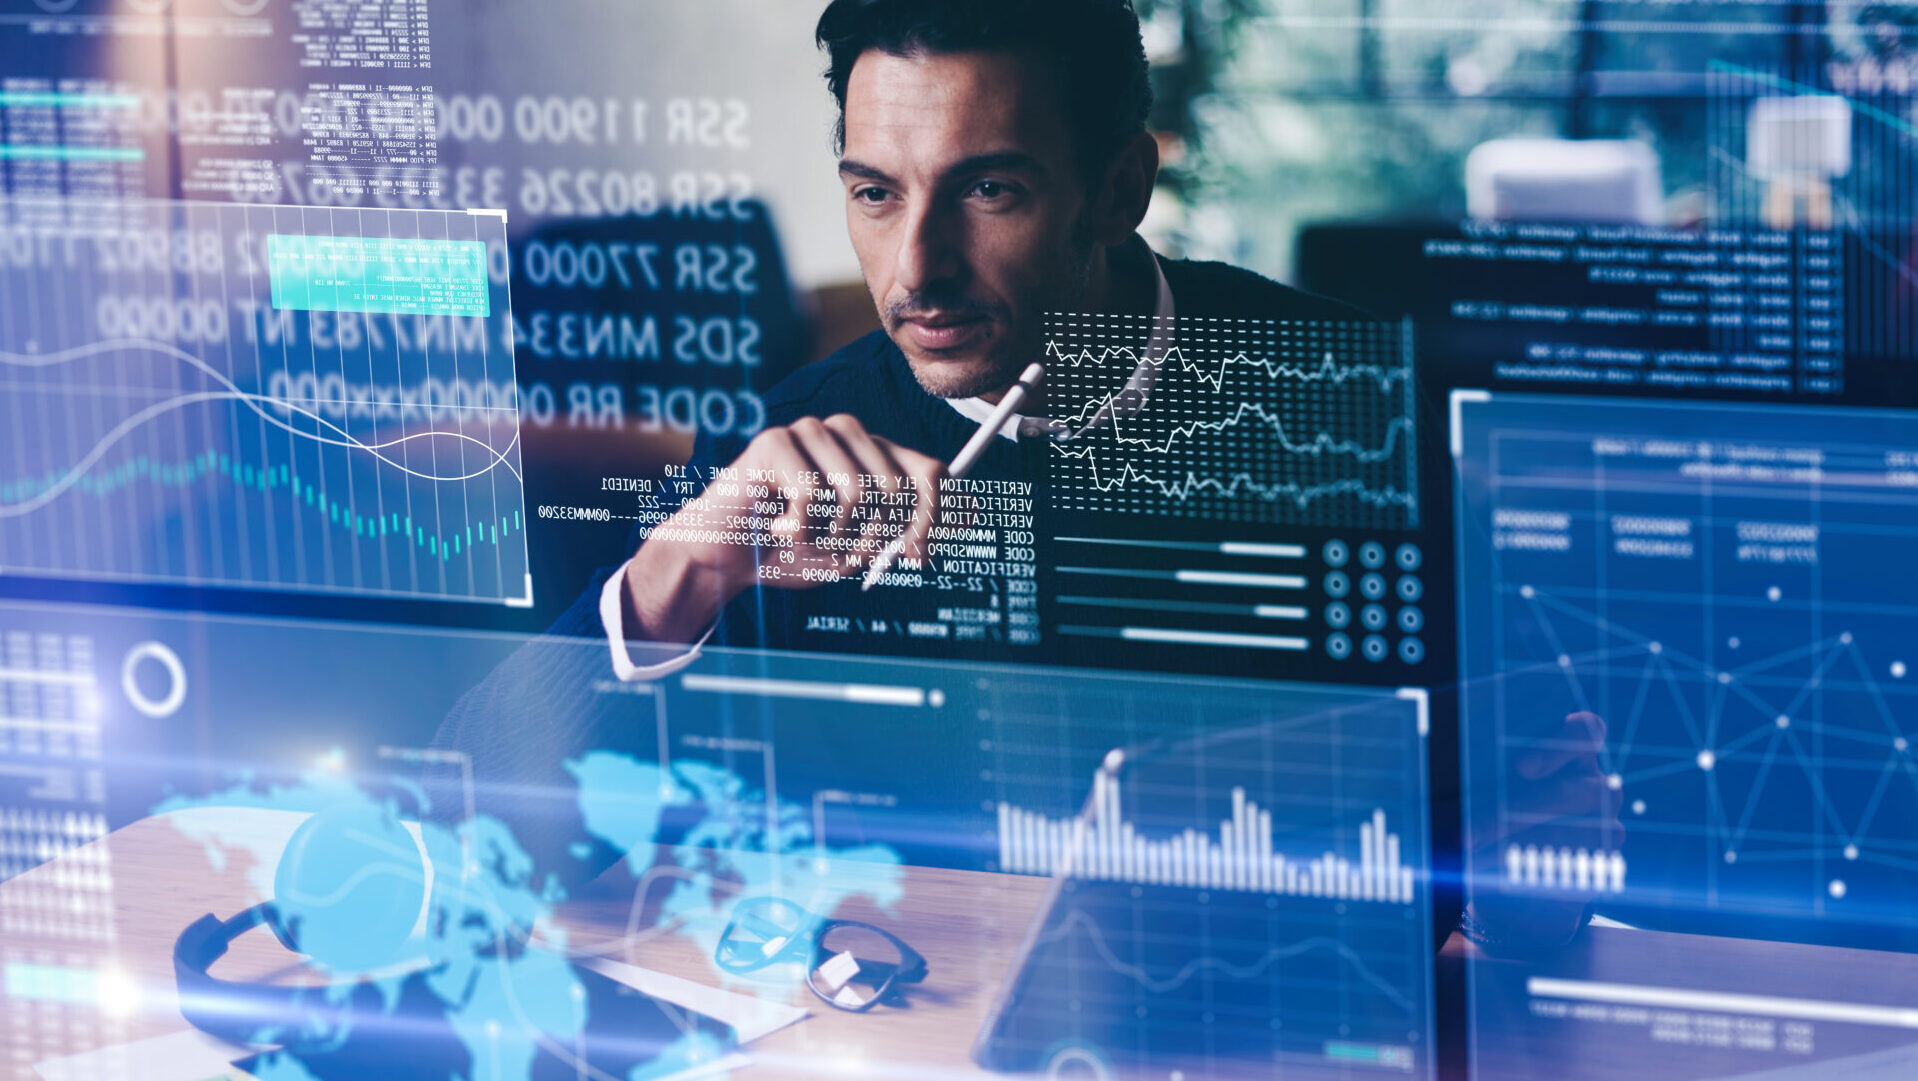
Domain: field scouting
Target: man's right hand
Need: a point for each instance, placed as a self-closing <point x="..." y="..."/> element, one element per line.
<point x="826" y="493"/>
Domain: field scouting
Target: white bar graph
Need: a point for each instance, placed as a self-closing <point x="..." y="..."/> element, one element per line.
<point x="1240" y="857"/>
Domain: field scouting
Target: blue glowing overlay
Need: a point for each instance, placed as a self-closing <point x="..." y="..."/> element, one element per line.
<point x="1725" y="593"/>
<point x="214" y="398"/>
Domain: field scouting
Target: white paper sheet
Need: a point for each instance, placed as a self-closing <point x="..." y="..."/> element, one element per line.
<point x="752" y="1018"/>
<point x="183" y="1056"/>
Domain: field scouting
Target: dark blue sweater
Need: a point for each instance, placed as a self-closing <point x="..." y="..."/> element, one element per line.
<point x="539" y="708"/>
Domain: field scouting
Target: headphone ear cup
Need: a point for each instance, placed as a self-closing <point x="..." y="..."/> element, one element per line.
<point x="284" y="929"/>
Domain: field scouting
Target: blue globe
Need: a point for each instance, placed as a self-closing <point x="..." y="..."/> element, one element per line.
<point x="350" y="889"/>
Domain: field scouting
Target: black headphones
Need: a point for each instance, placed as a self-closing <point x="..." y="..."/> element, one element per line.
<point x="337" y="1030"/>
<point x="239" y="1012"/>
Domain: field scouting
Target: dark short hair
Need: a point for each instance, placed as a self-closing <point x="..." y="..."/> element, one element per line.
<point x="1093" y="45"/>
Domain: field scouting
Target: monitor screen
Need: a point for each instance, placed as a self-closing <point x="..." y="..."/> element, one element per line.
<point x="916" y="538"/>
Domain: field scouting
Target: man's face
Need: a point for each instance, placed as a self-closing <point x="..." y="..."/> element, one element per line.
<point x="966" y="205"/>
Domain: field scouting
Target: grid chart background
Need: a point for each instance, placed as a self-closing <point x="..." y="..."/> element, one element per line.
<point x="162" y="421"/>
<point x="1242" y="970"/>
<point x="1737" y="624"/>
<point x="1255" y="421"/>
<point x="52" y="802"/>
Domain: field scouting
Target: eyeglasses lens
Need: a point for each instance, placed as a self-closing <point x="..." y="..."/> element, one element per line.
<point x="761" y="931"/>
<point x="854" y="966"/>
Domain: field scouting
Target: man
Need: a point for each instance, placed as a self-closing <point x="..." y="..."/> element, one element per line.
<point x="996" y="166"/>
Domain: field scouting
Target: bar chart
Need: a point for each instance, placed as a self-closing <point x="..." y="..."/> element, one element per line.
<point x="1101" y="845"/>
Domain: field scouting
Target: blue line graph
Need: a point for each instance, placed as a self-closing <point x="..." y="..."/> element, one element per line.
<point x="1731" y="601"/>
<point x="1234" y="420"/>
<point x="1260" y="966"/>
<point x="237" y="476"/>
<point x="168" y="422"/>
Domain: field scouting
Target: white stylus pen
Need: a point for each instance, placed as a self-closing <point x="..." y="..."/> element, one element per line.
<point x="969" y="456"/>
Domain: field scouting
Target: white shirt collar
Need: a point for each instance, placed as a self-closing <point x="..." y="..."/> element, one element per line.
<point x="979" y="411"/>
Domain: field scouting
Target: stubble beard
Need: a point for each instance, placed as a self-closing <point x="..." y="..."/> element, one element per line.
<point x="1071" y="282"/>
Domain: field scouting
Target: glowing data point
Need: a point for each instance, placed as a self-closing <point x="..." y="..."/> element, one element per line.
<point x="1851" y="852"/>
<point x="1837" y="887"/>
<point x="1783" y="721"/>
<point x="1527" y="592"/>
<point x="1706" y="760"/>
<point x="1638" y="806"/>
<point x="1615" y="781"/>
<point x="1657" y="647"/>
<point x="1564" y="660"/>
<point x="1774" y="593"/>
<point x="1845" y="638"/>
<point x="1900" y="743"/>
<point x="1731" y="857"/>
<point x="1897" y="669"/>
<point x="1724" y="677"/>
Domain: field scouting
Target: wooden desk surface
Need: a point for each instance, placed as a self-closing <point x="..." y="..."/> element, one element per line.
<point x="968" y="925"/>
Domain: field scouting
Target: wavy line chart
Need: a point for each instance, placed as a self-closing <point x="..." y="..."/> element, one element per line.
<point x="1267" y="422"/>
<point x="1213" y="373"/>
<point x="1260" y="966"/>
<point x="179" y="408"/>
<point x="1729" y="603"/>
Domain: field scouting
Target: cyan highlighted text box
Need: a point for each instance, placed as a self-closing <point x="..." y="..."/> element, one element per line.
<point x="378" y="274"/>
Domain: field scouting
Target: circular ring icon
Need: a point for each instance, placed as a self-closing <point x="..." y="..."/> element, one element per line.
<point x="1411" y="589"/>
<point x="1373" y="586"/>
<point x="1372" y="554"/>
<point x="1336" y="553"/>
<point x="1411" y="650"/>
<point x="168" y="704"/>
<point x="1375" y="648"/>
<point x="1373" y="616"/>
<point x="1409" y="557"/>
<point x="1074" y="1055"/>
<point x="1411" y="620"/>
<point x="1337" y="615"/>
<point x="1339" y="646"/>
<point x="1337" y="584"/>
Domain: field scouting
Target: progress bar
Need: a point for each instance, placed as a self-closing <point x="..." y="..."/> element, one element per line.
<point x="1191" y="638"/>
<point x="1799" y="1009"/>
<point x="865" y="694"/>
<point x="1231" y="548"/>
<point x="1256" y="611"/>
<point x="1197" y="577"/>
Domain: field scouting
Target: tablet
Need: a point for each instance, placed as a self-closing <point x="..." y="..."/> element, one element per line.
<point x="1250" y="903"/>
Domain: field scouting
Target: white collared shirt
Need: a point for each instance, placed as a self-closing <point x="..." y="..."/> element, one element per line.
<point x="979" y="411"/>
